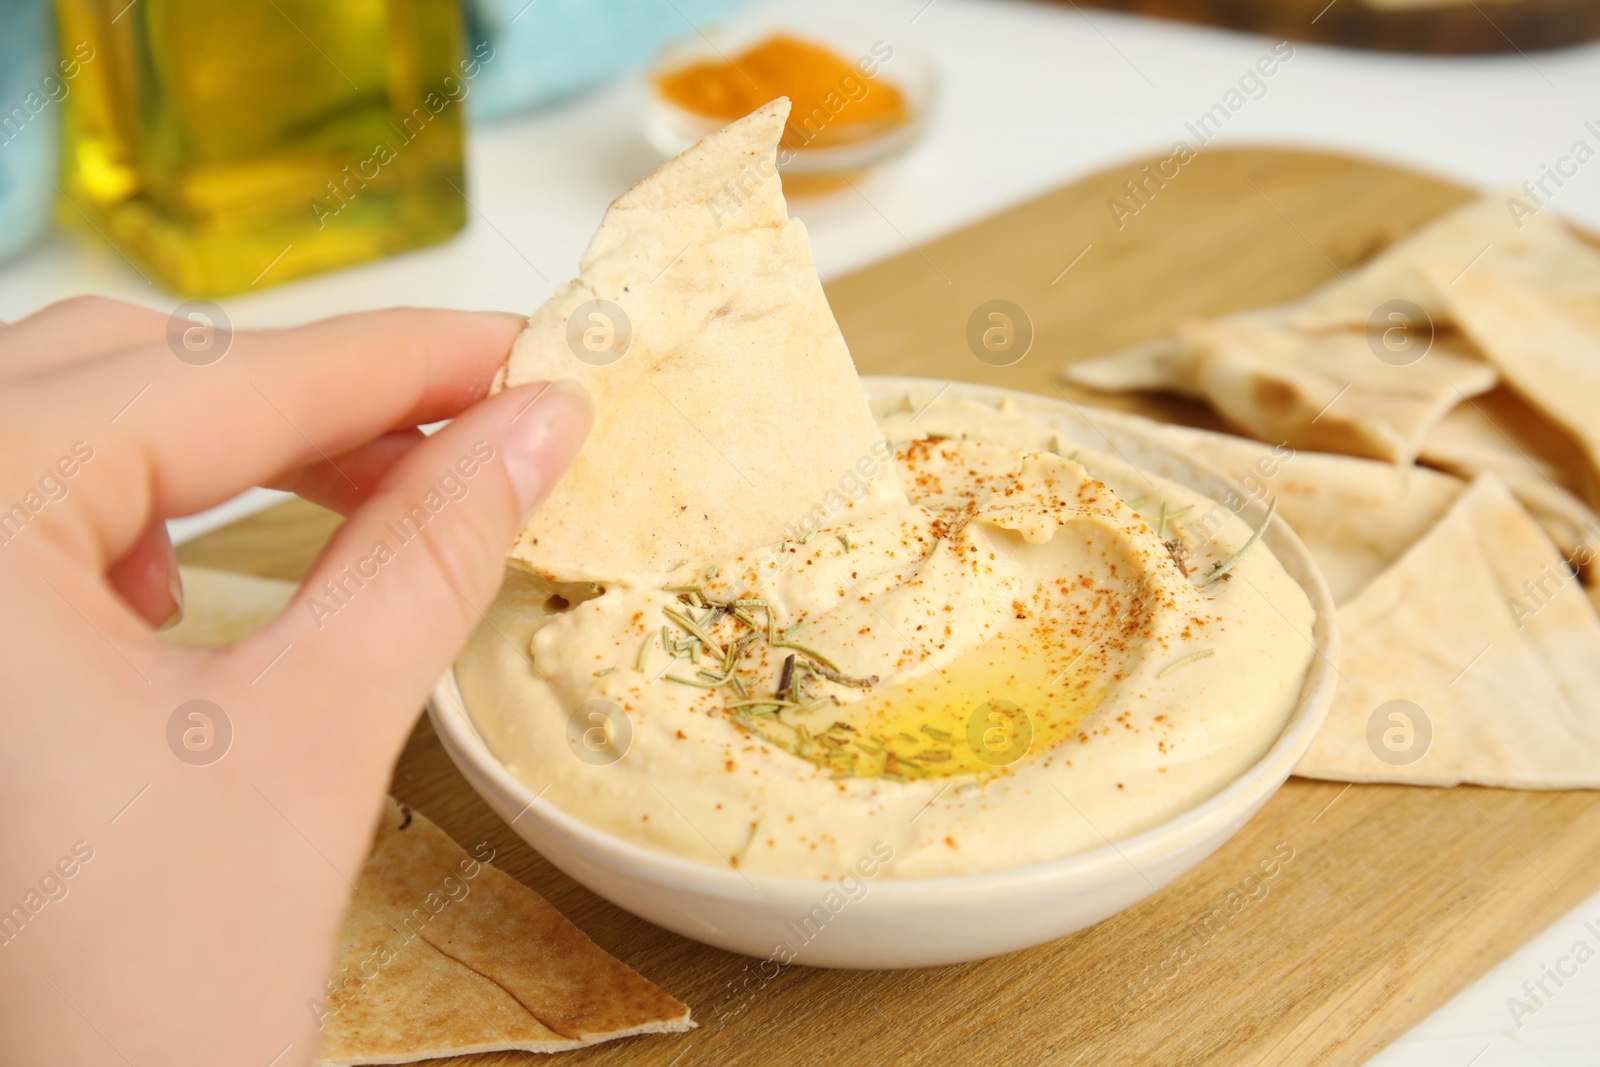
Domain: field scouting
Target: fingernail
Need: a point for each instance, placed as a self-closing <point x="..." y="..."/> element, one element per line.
<point x="509" y="318"/>
<point x="174" y="588"/>
<point x="543" y="437"/>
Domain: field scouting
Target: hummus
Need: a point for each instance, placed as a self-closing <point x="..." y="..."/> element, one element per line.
<point x="1025" y="655"/>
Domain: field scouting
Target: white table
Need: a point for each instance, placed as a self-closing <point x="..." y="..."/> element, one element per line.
<point x="1035" y="95"/>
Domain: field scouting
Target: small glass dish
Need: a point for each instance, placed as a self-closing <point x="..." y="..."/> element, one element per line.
<point x="879" y="51"/>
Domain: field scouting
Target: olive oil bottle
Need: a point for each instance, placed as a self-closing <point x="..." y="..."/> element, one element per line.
<point x="229" y="146"/>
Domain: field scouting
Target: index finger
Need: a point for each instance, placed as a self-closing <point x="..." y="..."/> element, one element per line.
<point x="171" y="438"/>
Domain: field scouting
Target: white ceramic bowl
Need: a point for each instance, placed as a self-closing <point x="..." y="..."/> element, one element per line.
<point x="922" y="922"/>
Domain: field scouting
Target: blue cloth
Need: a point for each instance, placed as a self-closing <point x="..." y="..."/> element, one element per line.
<point x="546" y="51"/>
<point x="31" y="91"/>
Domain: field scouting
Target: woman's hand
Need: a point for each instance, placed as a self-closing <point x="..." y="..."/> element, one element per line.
<point x="157" y="908"/>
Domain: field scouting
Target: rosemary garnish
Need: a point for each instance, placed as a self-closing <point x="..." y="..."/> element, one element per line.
<point x="689" y="626"/>
<point x="844" y="539"/>
<point x="697" y="683"/>
<point x="1223" y="568"/>
<point x="813" y="654"/>
<point x="786" y="679"/>
<point x="1204" y="653"/>
<point x="604" y="672"/>
<point x="1179" y="553"/>
<point x="833" y="675"/>
<point x="736" y="651"/>
<point x="764" y="715"/>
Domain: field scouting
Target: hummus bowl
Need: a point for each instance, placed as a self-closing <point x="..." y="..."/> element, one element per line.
<point x="884" y="922"/>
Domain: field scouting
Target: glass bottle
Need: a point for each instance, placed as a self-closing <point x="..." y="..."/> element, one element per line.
<point x="229" y="146"/>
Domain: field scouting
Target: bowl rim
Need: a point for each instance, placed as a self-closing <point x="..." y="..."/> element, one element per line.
<point x="447" y="711"/>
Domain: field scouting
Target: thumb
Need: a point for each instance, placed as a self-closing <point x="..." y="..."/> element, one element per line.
<point x="407" y="577"/>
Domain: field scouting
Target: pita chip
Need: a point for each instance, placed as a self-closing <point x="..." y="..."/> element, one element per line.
<point x="1356" y="516"/>
<point x="733" y="409"/>
<point x="1325" y="392"/>
<point x="441" y="955"/>
<point x="1480" y="438"/>
<point x="1329" y="393"/>
<point x="1157" y="364"/>
<point x="1548" y="350"/>
<point x="1163" y="364"/>
<point x="1479" y="626"/>
<point x="1534" y="249"/>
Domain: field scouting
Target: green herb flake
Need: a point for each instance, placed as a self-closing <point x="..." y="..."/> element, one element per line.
<point x="1204" y="653"/>
<point x="1232" y="561"/>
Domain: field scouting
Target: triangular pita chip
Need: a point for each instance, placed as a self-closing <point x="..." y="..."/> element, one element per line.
<point x="1330" y="393"/>
<point x="441" y="955"/>
<point x="1325" y="392"/>
<point x="1356" y="516"/>
<point x="1157" y="364"/>
<point x="1488" y="437"/>
<point x="734" y="410"/>
<point x="1535" y="250"/>
<point x="1479" y="627"/>
<point x="1162" y="363"/>
<point x="1547" y="350"/>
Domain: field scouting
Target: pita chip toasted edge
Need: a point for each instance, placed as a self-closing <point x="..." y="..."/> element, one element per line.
<point x="1480" y="627"/>
<point x="1329" y="392"/>
<point x="1161" y="363"/>
<point x="442" y="955"/>
<point x="1546" y="353"/>
<point x="732" y="411"/>
<point x="1492" y="438"/>
<point x="1490" y="233"/>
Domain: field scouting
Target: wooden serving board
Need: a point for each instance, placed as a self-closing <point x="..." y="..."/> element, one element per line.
<point x="1391" y="898"/>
